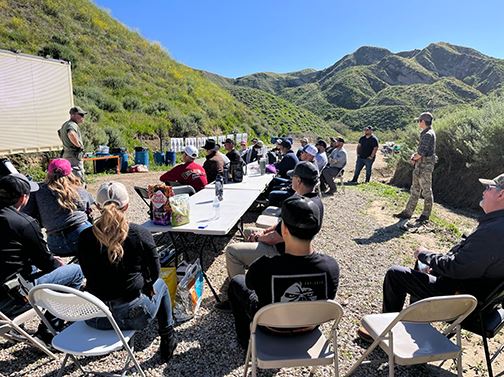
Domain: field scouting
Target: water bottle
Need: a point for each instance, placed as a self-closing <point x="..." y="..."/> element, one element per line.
<point x="216" y="207"/>
<point x="219" y="187"/>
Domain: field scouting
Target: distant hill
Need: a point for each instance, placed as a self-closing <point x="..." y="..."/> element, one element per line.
<point x="131" y="87"/>
<point x="374" y="86"/>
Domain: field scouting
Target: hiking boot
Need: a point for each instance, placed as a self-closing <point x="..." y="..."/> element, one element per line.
<point x="352" y="182"/>
<point x="223" y="306"/>
<point x="328" y="193"/>
<point x="168" y="344"/>
<point x="422" y="219"/>
<point x="402" y="215"/>
<point x="364" y="335"/>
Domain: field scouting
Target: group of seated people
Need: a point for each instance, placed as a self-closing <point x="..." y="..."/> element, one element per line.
<point x="119" y="264"/>
<point x="117" y="260"/>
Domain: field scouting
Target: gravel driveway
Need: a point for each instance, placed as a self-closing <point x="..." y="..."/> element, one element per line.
<point x="358" y="231"/>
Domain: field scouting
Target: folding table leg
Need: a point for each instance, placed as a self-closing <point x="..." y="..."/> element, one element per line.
<point x="210" y="239"/>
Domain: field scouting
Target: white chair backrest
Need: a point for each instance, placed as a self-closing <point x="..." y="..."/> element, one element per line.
<point x="298" y="314"/>
<point x="68" y="303"/>
<point x="441" y="308"/>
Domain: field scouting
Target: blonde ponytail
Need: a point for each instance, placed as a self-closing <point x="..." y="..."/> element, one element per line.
<point x="111" y="229"/>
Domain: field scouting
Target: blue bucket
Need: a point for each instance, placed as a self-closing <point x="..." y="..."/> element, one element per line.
<point x="142" y="156"/>
<point x="159" y="158"/>
<point x="171" y="158"/>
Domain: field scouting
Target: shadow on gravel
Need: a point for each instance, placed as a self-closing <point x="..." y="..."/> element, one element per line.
<point x="383" y="234"/>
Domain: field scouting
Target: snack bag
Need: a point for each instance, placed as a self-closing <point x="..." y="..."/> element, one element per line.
<point x="180" y="209"/>
<point x="189" y="293"/>
<point x="159" y="196"/>
<point x="169" y="275"/>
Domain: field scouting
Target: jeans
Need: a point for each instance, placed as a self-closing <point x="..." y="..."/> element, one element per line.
<point x="244" y="304"/>
<point x="69" y="275"/>
<point x="399" y="281"/>
<point x="138" y="313"/>
<point x="63" y="244"/>
<point x="327" y="178"/>
<point x="361" y="162"/>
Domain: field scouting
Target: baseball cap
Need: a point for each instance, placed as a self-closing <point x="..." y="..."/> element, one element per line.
<point x="425" y="116"/>
<point x="497" y="182"/>
<point x="191" y="151"/>
<point x="310" y="149"/>
<point x="229" y="141"/>
<point x="304" y="169"/>
<point x="369" y="128"/>
<point x="209" y="144"/>
<point x="16" y="184"/>
<point x="301" y="216"/>
<point x="322" y="143"/>
<point x="303" y="140"/>
<point x="112" y="192"/>
<point x="78" y="110"/>
<point x="278" y="141"/>
<point x="59" y="166"/>
<point x="286" y="144"/>
<point x="259" y="144"/>
<point x="243" y="142"/>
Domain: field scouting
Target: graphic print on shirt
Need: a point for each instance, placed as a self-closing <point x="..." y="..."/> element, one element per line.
<point x="299" y="287"/>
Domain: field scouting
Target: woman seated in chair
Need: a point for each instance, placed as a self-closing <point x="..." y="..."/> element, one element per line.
<point x="62" y="206"/>
<point x="122" y="268"/>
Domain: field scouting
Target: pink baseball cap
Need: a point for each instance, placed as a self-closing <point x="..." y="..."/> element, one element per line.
<point x="59" y="166"/>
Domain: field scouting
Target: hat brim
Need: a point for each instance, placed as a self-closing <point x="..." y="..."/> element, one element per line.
<point x="290" y="173"/>
<point x="33" y="185"/>
<point x="487" y="182"/>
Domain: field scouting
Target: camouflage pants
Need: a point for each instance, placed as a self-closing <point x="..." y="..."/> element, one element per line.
<point x="421" y="184"/>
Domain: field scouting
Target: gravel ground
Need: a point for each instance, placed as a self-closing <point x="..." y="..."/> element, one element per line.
<point x="358" y="231"/>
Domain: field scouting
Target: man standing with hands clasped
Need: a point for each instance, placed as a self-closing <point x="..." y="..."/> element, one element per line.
<point x="423" y="161"/>
<point x="366" y="154"/>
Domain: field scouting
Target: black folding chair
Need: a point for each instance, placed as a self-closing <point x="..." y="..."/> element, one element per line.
<point x="487" y="320"/>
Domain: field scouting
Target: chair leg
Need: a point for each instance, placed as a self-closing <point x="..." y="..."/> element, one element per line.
<point x="487" y="356"/>
<point x="363" y="357"/>
<point x="62" y="367"/>
<point x="459" y="356"/>
<point x="391" y="355"/>
<point x="335" y="351"/>
<point x="247" y="360"/>
<point x="33" y="340"/>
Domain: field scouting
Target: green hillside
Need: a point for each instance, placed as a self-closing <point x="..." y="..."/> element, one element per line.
<point x="284" y="117"/>
<point x="131" y="87"/>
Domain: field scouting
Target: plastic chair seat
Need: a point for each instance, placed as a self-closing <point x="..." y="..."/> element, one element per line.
<point x="264" y="221"/>
<point x="306" y="349"/>
<point x="414" y="343"/>
<point x="81" y="339"/>
<point x="272" y="211"/>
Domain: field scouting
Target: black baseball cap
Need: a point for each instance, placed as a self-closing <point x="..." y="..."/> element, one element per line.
<point x="229" y="141"/>
<point x="304" y="169"/>
<point x="369" y="128"/>
<point x="286" y="144"/>
<point x="78" y="110"/>
<point x="12" y="186"/>
<point x="322" y="143"/>
<point x="301" y="216"/>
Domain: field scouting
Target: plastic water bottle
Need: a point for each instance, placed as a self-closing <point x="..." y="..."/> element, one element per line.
<point x="219" y="187"/>
<point x="216" y="208"/>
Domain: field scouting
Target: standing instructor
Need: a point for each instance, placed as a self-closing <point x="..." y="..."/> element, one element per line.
<point x="424" y="160"/>
<point x="73" y="147"/>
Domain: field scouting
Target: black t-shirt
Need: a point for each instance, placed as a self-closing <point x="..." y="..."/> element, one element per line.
<point x="315" y="199"/>
<point x="288" y="278"/>
<point x="234" y="156"/>
<point x="367" y="145"/>
<point x="124" y="280"/>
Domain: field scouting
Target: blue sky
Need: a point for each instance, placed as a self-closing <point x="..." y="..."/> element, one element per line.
<point x="238" y="37"/>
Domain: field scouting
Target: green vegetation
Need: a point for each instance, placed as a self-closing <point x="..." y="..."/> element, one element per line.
<point x="469" y="146"/>
<point x="284" y="117"/>
<point x="128" y="84"/>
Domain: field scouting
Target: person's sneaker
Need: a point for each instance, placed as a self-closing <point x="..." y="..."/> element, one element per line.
<point x="402" y="215"/>
<point x="223" y="306"/>
<point x="422" y="219"/>
<point x="364" y="335"/>
<point x="328" y="193"/>
<point x="352" y="182"/>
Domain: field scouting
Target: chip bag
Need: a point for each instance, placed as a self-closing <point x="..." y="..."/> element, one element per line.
<point x="161" y="210"/>
<point x="180" y="209"/>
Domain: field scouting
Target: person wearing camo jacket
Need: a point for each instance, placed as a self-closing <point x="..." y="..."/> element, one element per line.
<point x="423" y="161"/>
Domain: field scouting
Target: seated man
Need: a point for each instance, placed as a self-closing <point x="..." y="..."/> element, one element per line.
<point x="22" y="245"/>
<point x="189" y="173"/>
<point x="214" y="160"/>
<point x="269" y="242"/>
<point x="232" y="153"/>
<point x="288" y="161"/>
<point x="337" y="161"/>
<point x="321" y="156"/>
<point x="307" y="170"/>
<point x="300" y="274"/>
<point x="474" y="266"/>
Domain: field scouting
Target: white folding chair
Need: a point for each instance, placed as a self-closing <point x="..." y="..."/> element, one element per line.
<point x="409" y="338"/>
<point x="266" y="221"/>
<point x="268" y="350"/>
<point x="79" y="339"/>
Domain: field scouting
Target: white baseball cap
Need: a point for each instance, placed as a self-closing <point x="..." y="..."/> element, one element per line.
<point x="191" y="151"/>
<point x="112" y="192"/>
<point x="310" y="149"/>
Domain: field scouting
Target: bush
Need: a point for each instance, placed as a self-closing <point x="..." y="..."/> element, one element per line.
<point x="469" y="146"/>
<point x="131" y="103"/>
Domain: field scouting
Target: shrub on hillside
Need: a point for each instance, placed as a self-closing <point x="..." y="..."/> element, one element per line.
<point x="469" y="146"/>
